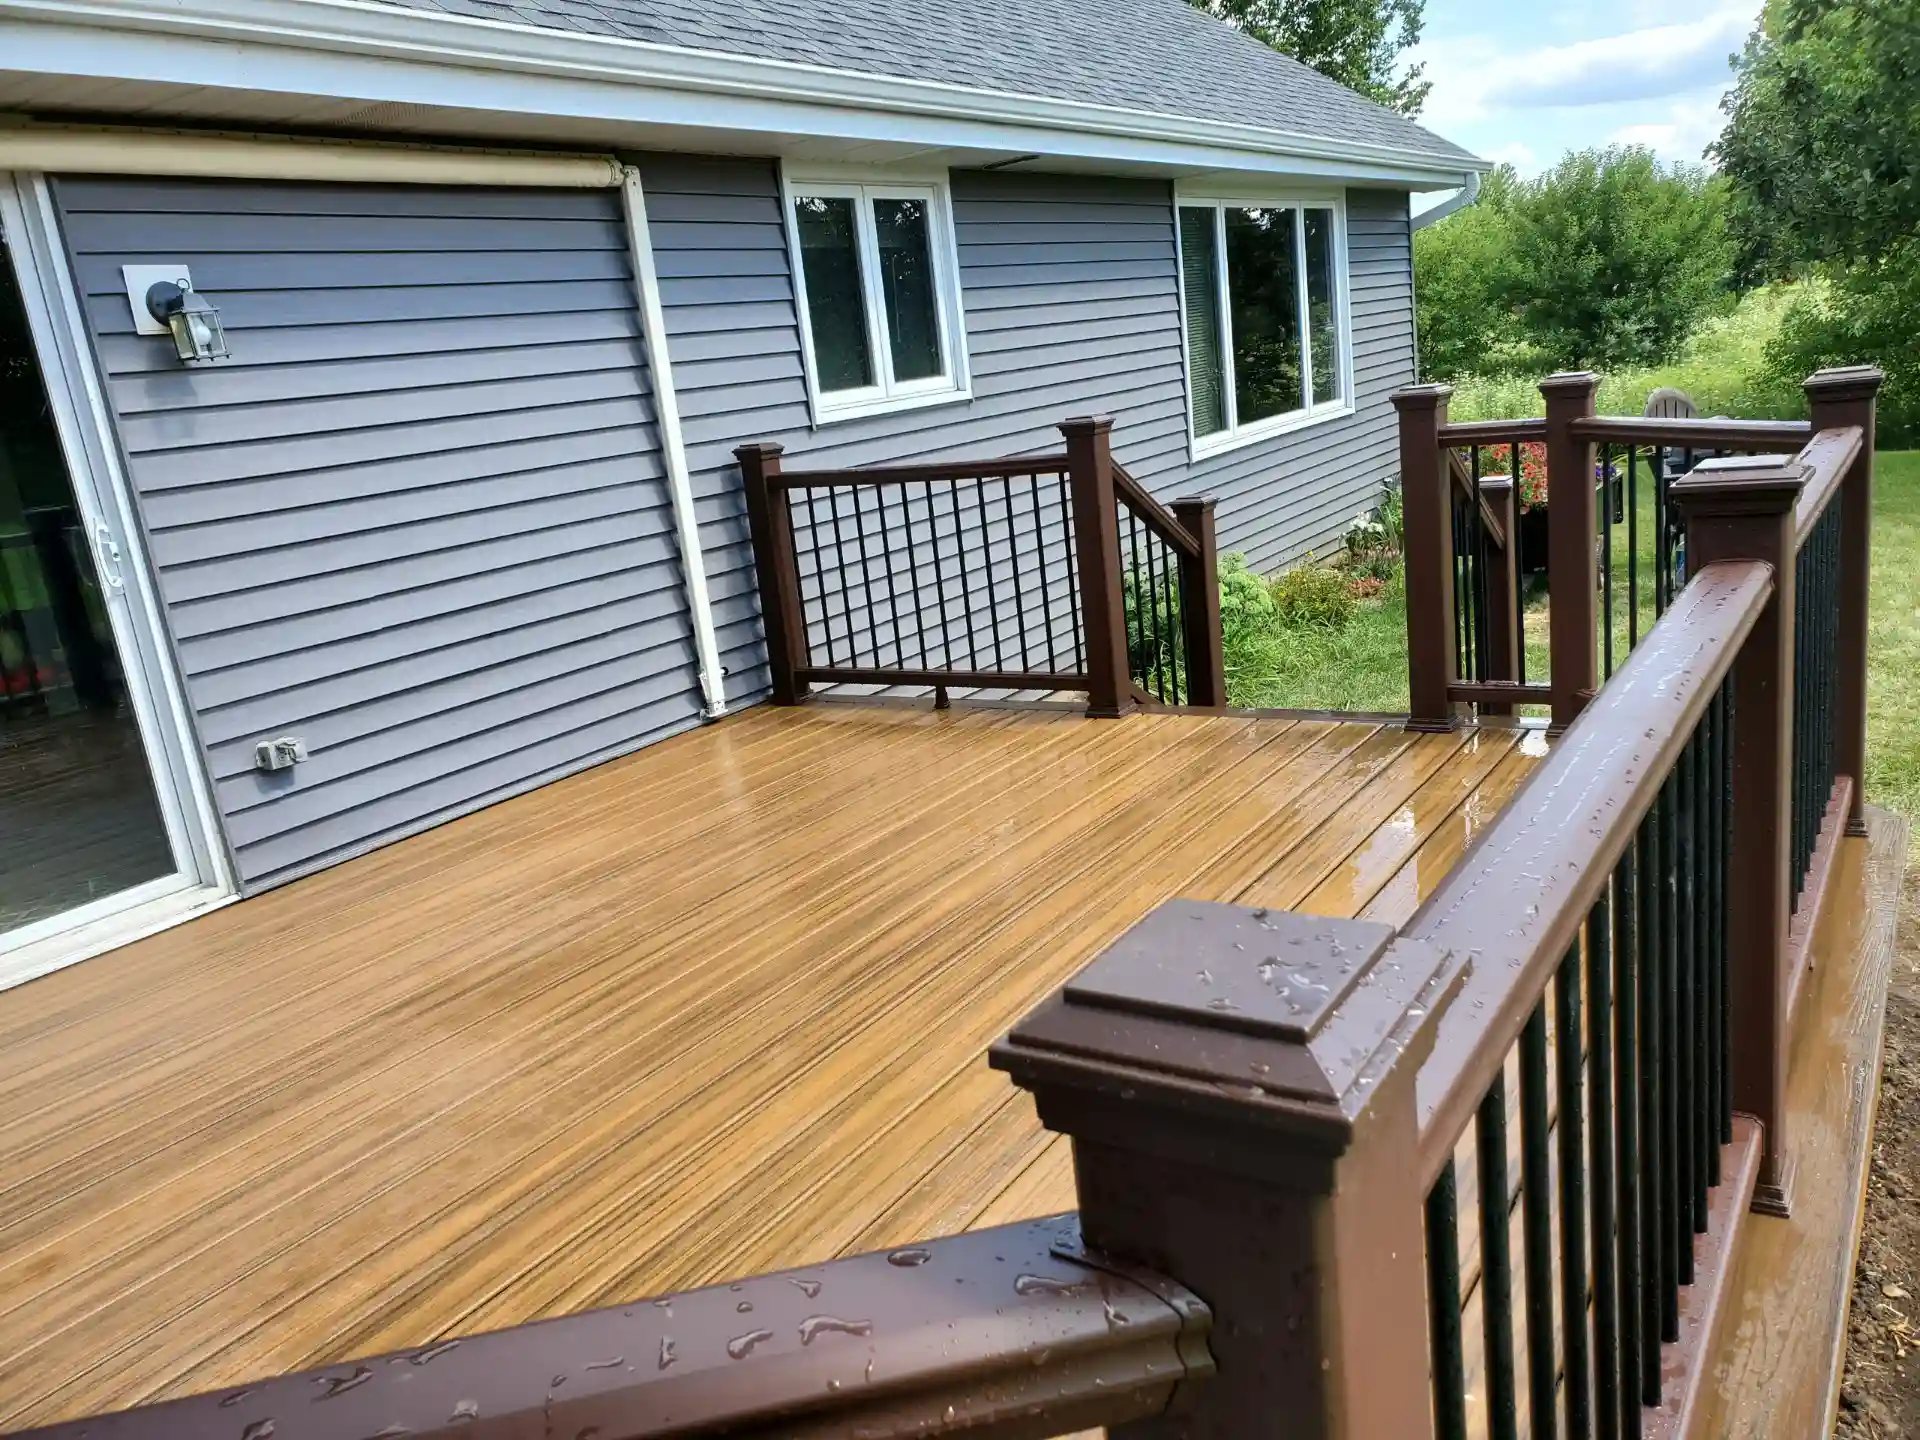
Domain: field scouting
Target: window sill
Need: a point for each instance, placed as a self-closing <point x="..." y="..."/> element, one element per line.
<point x="826" y="413"/>
<point x="1205" y="447"/>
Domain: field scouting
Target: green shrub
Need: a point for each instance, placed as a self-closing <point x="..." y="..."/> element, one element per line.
<point x="1246" y="604"/>
<point x="1311" y="596"/>
<point x="1728" y="366"/>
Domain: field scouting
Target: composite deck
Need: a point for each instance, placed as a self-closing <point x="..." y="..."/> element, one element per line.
<point x="715" y="1008"/>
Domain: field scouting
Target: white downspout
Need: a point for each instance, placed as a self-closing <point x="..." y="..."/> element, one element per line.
<point x="1459" y="200"/>
<point x="666" y="409"/>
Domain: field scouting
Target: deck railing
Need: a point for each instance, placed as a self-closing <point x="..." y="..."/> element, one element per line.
<point x="1045" y="572"/>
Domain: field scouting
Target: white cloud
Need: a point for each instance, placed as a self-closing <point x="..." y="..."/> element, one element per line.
<point x="1475" y="76"/>
<point x="1689" y="127"/>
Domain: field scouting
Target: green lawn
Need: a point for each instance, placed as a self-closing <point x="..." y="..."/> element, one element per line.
<point x="1362" y="665"/>
<point x="1893" y="639"/>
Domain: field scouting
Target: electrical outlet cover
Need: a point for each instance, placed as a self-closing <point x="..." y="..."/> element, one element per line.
<point x="140" y="279"/>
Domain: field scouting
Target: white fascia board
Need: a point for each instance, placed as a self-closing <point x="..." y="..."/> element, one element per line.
<point x="370" y="52"/>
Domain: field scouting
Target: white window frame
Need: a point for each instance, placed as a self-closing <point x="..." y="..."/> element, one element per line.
<point x="886" y="395"/>
<point x="1235" y="435"/>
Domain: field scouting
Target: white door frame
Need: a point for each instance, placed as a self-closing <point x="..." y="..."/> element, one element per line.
<point x="204" y="874"/>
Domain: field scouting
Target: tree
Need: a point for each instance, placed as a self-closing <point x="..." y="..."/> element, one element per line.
<point x="1822" y="150"/>
<point x="1614" y="259"/>
<point x="1466" y="326"/>
<point x="1607" y="260"/>
<point x="1357" y="42"/>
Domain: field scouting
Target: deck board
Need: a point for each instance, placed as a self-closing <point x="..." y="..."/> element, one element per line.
<point x="715" y="1008"/>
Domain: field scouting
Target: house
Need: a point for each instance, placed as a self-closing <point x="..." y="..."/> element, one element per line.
<point x="418" y="423"/>
<point x="455" y="512"/>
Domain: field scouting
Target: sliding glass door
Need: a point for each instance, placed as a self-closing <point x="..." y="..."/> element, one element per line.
<point x="100" y="833"/>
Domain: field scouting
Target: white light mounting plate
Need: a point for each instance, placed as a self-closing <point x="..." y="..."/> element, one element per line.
<point x="142" y="278"/>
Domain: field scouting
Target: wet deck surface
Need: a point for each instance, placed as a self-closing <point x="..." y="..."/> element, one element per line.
<point x="713" y="1009"/>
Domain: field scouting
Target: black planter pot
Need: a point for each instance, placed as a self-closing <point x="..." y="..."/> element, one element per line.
<point x="1533" y="524"/>
<point x="1533" y="541"/>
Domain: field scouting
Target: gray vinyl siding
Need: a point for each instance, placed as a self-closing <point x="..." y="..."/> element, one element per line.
<point x="418" y="519"/>
<point x="1069" y="287"/>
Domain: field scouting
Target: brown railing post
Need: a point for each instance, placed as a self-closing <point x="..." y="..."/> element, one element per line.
<point x="1427" y="508"/>
<point x="1835" y="399"/>
<point x="1200" y="605"/>
<point x="1572" y="540"/>
<point x="1503" y="587"/>
<point x="1096" y="543"/>
<point x="1742" y="509"/>
<point x="1239" y="1086"/>
<point x="770" y="523"/>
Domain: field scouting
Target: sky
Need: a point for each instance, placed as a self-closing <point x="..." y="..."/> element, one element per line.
<point x="1524" y="81"/>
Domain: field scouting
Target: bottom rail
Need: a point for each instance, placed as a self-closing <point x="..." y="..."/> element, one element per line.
<point x="1012" y="1333"/>
<point x="981" y="679"/>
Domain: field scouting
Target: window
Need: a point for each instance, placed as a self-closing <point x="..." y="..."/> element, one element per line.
<point x="879" y="306"/>
<point x="1261" y="290"/>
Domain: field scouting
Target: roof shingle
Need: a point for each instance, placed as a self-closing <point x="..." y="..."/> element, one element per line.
<point x="1159" y="56"/>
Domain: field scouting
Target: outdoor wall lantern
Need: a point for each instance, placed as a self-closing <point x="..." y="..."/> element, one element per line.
<point x="191" y="318"/>
<point x="164" y="302"/>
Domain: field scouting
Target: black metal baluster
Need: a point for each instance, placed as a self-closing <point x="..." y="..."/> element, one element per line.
<point x="1729" y="723"/>
<point x="966" y="583"/>
<point x="1496" y="1261"/>
<point x="1653" y="1202"/>
<point x="1686" y="997"/>
<point x="1013" y="545"/>
<point x="992" y="595"/>
<point x="1633" y="543"/>
<point x="1627" y="1130"/>
<point x="1073" y="577"/>
<point x="939" y="583"/>
<point x="1152" y="609"/>
<point x="1705" y="1137"/>
<point x="1536" y="1207"/>
<point x="1051" y="651"/>
<point x="1573" y="1186"/>
<point x="1137" y="623"/>
<point x="1519" y="617"/>
<point x="1443" y="1309"/>
<point x="870" y="614"/>
<point x="842" y="570"/>
<point x="1677" y="1214"/>
<point x="1606" y="557"/>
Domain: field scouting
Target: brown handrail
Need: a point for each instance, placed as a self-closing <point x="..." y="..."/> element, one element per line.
<point x="999" y="1326"/>
<point x="1005" y="468"/>
<point x="1517" y="900"/>
<point x="1827" y="458"/>
<point x="1163" y="521"/>
<point x="1696" y="434"/>
<point x="1493" y="432"/>
<point x="1464" y="484"/>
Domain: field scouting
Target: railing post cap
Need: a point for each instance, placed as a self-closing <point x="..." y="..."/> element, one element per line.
<point x="1086" y="424"/>
<point x="1420" y="397"/>
<point x="1844" y="382"/>
<point x="1739" y="484"/>
<point x="1206" y="1018"/>
<point x="1206" y="502"/>
<point x="1575" y="383"/>
<point x="759" y="449"/>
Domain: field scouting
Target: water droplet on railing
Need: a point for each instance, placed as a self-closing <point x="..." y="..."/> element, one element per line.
<point x="258" y="1430"/>
<point x="745" y="1307"/>
<point x="741" y="1346"/>
<point x="1043" y="1285"/>
<point x="466" y="1411"/>
<point x="808" y="1288"/>
<point x="908" y="1259"/>
<point x="826" y="1324"/>
<point x="614" y="1364"/>
<point x="234" y="1399"/>
<point x="1221" y="1002"/>
<point x="340" y="1384"/>
<point x="667" y="1357"/>
<point x="434" y="1352"/>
